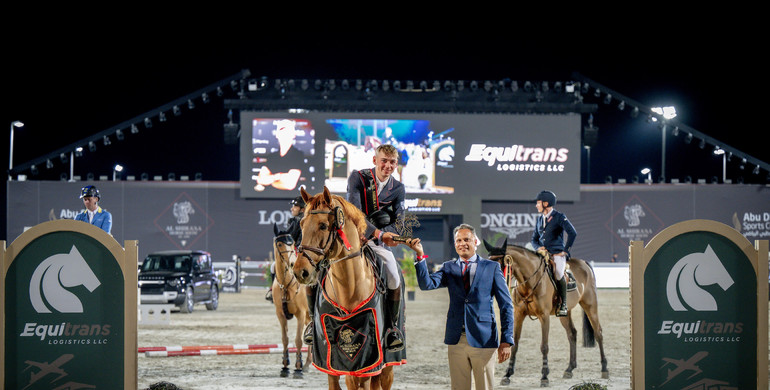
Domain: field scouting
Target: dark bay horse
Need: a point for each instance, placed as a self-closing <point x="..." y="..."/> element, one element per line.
<point x="290" y="300"/>
<point x="533" y="296"/>
<point x="331" y="245"/>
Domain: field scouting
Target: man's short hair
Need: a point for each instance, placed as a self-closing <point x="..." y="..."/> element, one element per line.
<point x="388" y="150"/>
<point x="464" y="226"/>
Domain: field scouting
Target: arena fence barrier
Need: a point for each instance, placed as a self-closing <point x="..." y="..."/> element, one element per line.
<point x="204" y="352"/>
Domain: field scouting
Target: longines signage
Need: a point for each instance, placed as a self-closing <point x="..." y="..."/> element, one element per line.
<point x="699" y="309"/>
<point x="69" y="309"/>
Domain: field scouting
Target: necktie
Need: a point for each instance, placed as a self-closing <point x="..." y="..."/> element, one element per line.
<point x="467" y="276"/>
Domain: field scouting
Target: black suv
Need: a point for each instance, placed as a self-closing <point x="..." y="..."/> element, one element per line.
<point x="182" y="278"/>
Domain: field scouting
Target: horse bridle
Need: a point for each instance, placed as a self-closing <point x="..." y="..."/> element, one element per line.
<point x="288" y="240"/>
<point x="335" y="233"/>
<point x="525" y="298"/>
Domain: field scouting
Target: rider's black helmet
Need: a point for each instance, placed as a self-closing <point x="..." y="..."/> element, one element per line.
<point x="89" y="191"/>
<point x="298" y="201"/>
<point x="547" y="196"/>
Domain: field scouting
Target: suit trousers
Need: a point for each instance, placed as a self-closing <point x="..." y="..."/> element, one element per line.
<point x="468" y="363"/>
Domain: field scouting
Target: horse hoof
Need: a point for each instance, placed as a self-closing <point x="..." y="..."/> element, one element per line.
<point x="297" y="374"/>
<point x="567" y="375"/>
<point x="505" y="382"/>
<point x="605" y="375"/>
<point x="544" y="383"/>
<point x="284" y="372"/>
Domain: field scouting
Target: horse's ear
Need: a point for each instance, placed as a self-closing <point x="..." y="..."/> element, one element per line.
<point x="505" y="243"/>
<point x="327" y="196"/>
<point x="275" y="229"/>
<point x="304" y="194"/>
<point x="489" y="247"/>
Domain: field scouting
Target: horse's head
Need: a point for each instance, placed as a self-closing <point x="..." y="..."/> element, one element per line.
<point x="283" y="250"/>
<point x="331" y="228"/>
<point x="497" y="253"/>
<point x="524" y="262"/>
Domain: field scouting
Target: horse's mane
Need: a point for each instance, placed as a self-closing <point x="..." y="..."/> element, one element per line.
<point x="523" y="249"/>
<point x="352" y="213"/>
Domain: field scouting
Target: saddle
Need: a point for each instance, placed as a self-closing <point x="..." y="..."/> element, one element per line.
<point x="548" y="259"/>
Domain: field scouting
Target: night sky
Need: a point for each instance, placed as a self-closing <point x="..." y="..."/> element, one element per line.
<point x="80" y="77"/>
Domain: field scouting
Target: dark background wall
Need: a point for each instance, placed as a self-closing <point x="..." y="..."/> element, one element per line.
<point x="212" y="216"/>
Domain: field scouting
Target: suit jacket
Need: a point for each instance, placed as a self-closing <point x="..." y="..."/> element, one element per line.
<point x="473" y="311"/>
<point x="102" y="219"/>
<point x="392" y="194"/>
<point x="551" y="236"/>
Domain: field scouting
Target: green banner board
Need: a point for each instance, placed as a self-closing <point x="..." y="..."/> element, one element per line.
<point x="698" y="320"/>
<point x="65" y="318"/>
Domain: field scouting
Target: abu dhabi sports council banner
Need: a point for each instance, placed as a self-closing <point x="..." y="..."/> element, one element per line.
<point x="212" y="216"/>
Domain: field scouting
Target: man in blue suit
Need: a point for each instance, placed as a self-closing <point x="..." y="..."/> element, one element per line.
<point x="471" y="329"/>
<point x="94" y="214"/>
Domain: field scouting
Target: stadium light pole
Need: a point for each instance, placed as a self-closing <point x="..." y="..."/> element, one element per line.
<point x="648" y="172"/>
<point x="718" y="152"/>
<point x="18" y="124"/>
<point x="118" y="168"/>
<point x="668" y="112"/>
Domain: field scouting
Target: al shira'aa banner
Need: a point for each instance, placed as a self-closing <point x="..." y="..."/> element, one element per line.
<point x="68" y="303"/>
<point x="699" y="300"/>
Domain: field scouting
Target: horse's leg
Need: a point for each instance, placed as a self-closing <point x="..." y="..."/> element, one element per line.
<point x="518" y="321"/>
<point x="358" y="383"/>
<point x="569" y="326"/>
<point x="593" y="317"/>
<point x="334" y="382"/>
<point x="545" y="322"/>
<point x="298" y="367"/>
<point x="386" y="378"/>
<point x="284" y="340"/>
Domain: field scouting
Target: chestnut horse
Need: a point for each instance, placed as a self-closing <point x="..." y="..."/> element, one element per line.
<point x="331" y="240"/>
<point x="290" y="300"/>
<point x="533" y="296"/>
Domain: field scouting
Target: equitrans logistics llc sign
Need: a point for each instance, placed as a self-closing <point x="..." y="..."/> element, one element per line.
<point x="64" y="314"/>
<point x="699" y="309"/>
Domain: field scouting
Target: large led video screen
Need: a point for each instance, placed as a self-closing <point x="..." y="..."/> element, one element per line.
<point x="492" y="156"/>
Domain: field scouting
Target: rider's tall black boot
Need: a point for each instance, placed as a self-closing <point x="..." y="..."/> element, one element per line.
<point x="307" y="335"/>
<point x="394" y="339"/>
<point x="561" y="285"/>
<point x="269" y="294"/>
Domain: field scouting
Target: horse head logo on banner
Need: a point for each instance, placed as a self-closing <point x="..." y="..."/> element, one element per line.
<point x="54" y="275"/>
<point x="689" y="274"/>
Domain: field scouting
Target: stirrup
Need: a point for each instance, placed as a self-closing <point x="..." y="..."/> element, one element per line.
<point x="307" y="335"/>
<point x="269" y="295"/>
<point x="394" y="340"/>
<point x="562" y="311"/>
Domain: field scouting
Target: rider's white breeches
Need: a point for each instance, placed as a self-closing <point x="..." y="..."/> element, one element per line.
<point x="389" y="265"/>
<point x="560" y="263"/>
